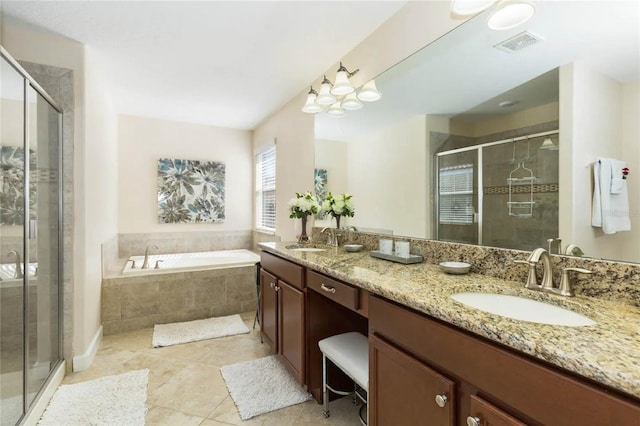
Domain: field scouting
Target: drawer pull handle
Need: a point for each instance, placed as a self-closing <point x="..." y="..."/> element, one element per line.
<point x="327" y="288"/>
<point x="273" y="285"/>
<point x="473" y="421"/>
<point x="441" y="400"/>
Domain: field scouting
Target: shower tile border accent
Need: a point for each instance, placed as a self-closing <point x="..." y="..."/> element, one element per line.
<point x="611" y="280"/>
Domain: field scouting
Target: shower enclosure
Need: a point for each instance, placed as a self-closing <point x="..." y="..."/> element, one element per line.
<point x="499" y="194"/>
<point x="30" y="240"/>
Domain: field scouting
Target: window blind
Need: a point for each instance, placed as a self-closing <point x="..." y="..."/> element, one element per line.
<point x="266" y="190"/>
<point x="456" y="195"/>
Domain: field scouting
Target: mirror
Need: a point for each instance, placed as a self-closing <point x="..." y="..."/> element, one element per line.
<point x="438" y="157"/>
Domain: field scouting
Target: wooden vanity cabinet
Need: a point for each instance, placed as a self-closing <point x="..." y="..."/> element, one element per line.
<point x="282" y="303"/>
<point x="494" y="385"/>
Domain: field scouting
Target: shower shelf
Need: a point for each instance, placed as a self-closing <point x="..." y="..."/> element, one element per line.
<point x="521" y="176"/>
<point x="522" y="181"/>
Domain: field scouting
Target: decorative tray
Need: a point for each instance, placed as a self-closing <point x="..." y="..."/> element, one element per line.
<point x="413" y="258"/>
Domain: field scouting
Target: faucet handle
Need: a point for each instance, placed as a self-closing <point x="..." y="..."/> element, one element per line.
<point x="532" y="280"/>
<point x="158" y="264"/>
<point x="133" y="263"/>
<point x="523" y="262"/>
<point x="565" y="282"/>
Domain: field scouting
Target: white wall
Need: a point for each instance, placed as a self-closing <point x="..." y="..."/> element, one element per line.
<point x="387" y="178"/>
<point x="143" y="141"/>
<point x="100" y="154"/>
<point x="414" y="26"/>
<point x="591" y="121"/>
<point x="631" y="154"/>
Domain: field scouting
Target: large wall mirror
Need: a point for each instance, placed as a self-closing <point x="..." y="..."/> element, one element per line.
<point x="489" y="137"/>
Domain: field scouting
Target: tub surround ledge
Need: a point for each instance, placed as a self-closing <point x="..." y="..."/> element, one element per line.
<point x="607" y="353"/>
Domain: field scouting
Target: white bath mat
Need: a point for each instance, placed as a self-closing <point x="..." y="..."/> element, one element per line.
<point x="261" y="386"/>
<point x="192" y="331"/>
<point x="109" y="401"/>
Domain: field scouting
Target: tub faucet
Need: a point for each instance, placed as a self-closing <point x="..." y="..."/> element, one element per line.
<point x="145" y="263"/>
<point x="18" y="273"/>
<point x="547" y="276"/>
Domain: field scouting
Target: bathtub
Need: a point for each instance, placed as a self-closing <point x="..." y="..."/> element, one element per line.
<point x="8" y="272"/>
<point x="199" y="261"/>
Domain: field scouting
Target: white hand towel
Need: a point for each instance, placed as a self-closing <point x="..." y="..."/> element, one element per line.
<point x="617" y="182"/>
<point x="609" y="210"/>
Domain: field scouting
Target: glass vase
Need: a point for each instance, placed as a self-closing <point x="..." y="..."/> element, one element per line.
<point x="303" y="238"/>
<point x="338" y="222"/>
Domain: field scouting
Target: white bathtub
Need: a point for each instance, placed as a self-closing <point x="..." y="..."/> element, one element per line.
<point x="192" y="261"/>
<point x="8" y="272"/>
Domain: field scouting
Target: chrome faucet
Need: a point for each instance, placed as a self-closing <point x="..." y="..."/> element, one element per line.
<point x="332" y="240"/>
<point x="18" y="273"/>
<point x="145" y="263"/>
<point x="547" y="275"/>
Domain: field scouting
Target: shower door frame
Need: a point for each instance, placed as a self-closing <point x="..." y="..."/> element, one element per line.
<point x="30" y="82"/>
<point x="479" y="183"/>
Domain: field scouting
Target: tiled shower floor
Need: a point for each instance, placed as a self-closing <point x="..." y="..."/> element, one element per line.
<point x="185" y="385"/>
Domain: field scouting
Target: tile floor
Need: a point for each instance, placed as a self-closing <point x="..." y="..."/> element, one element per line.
<point x="185" y="385"/>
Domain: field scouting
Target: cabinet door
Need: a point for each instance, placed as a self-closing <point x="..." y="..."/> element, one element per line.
<point x="404" y="391"/>
<point x="291" y="328"/>
<point x="486" y="414"/>
<point x="269" y="309"/>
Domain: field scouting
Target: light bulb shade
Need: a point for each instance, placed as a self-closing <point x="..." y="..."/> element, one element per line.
<point x="351" y="102"/>
<point x="342" y="86"/>
<point x="469" y="7"/>
<point x="325" y="97"/>
<point x="510" y="14"/>
<point x="335" y="110"/>
<point x="369" y="92"/>
<point x="311" y="107"/>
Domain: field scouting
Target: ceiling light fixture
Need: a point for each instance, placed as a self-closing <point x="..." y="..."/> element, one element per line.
<point x="469" y="7"/>
<point x="341" y="96"/>
<point x="510" y="14"/>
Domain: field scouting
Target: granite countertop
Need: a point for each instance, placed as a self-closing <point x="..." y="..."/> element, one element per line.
<point x="608" y="352"/>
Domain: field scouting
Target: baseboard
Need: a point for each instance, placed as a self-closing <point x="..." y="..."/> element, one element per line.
<point x="33" y="416"/>
<point x="82" y="362"/>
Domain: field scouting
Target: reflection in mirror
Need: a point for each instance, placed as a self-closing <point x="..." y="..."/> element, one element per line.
<point x="476" y="144"/>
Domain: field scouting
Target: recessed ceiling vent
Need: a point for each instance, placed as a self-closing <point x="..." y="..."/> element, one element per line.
<point x="518" y="42"/>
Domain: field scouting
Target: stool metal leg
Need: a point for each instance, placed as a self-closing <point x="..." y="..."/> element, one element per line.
<point x="325" y="389"/>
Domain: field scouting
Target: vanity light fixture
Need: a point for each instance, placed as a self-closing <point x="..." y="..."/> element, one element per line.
<point x="369" y="92"/>
<point x="342" y="85"/>
<point x="341" y="96"/>
<point x="325" y="97"/>
<point x="469" y="7"/>
<point x="510" y="14"/>
<point x="311" y="107"/>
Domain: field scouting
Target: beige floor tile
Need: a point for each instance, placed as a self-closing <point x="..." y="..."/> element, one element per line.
<point x="196" y="390"/>
<point x="160" y="416"/>
<point x="209" y="422"/>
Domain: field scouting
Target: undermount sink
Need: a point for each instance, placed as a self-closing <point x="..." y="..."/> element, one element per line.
<point x="299" y="247"/>
<point x="522" y="309"/>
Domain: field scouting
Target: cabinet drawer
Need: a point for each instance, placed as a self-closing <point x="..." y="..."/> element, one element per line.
<point x="287" y="271"/>
<point x="337" y="291"/>
<point x="487" y="414"/>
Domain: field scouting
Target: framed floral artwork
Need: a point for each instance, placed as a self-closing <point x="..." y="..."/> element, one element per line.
<point x="190" y="191"/>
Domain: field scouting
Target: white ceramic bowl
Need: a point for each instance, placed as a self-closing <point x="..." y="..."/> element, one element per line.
<point x="456" y="268"/>
<point x="353" y="247"/>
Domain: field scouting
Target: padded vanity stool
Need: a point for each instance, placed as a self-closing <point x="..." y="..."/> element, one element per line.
<point x="350" y="353"/>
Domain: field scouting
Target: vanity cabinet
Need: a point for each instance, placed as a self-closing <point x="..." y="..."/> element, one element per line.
<point x="406" y="391"/>
<point x="282" y="308"/>
<point x="493" y="385"/>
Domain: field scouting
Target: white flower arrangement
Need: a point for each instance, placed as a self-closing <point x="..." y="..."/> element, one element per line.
<point x="338" y="206"/>
<point x="303" y="205"/>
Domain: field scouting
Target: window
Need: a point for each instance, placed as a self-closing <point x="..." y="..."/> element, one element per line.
<point x="266" y="190"/>
<point x="456" y="195"/>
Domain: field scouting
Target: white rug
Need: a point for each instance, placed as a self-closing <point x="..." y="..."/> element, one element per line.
<point x="261" y="386"/>
<point x="192" y="331"/>
<point x="109" y="401"/>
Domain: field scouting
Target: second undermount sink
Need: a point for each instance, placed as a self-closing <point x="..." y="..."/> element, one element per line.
<point x="523" y="309"/>
<point x="300" y="247"/>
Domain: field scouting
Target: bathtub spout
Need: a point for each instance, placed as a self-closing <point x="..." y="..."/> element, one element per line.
<point x="145" y="263"/>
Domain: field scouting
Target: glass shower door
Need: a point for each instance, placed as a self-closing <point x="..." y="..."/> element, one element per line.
<point x="12" y="303"/>
<point x="457" y="197"/>
<point x="43" y="241"/>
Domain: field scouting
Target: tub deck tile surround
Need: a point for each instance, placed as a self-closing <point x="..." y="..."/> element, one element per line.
<point x="136" y="302"/>
<point x="608" y="352"/>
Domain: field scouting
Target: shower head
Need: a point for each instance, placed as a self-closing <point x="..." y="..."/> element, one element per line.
<point x="548" y="145"/>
